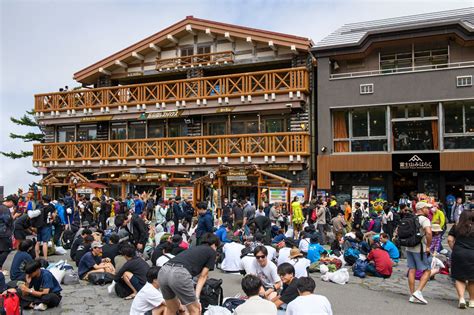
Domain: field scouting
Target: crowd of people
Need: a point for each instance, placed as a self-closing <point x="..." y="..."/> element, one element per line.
<point x="159" y="253"/>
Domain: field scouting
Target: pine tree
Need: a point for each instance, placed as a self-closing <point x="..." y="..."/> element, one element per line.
<point x="28" y="121"/>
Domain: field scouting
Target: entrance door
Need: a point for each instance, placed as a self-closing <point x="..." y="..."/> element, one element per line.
<point x="239" y="193"/>
<point x="404" y="183"/>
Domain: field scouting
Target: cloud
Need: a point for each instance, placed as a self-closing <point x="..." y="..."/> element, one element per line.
<point x="44" y="42"/>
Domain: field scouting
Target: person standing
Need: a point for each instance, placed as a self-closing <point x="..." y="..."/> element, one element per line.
<point x="321" y="221"/>
<point x="461" y="242"/>
<point x="456" y="211"/>
<point x="6" y="226"/>
<point x="348" y="215"/>
<point x="419" y="256"/>
<point x="139" y="205"/>
<point x="357" y="223"/>
<point x="226" y="212"/>
<point x="205" y="222"/>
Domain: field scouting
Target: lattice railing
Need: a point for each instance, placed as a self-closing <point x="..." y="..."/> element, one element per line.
<point x="195" y="60"/>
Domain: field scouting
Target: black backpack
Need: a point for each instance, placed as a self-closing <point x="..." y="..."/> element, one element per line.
<point x="67" y="238"/>
<point x="211" y="293"/>
<point x="328" y="215"/>
<point x="169" y="213"/>
<point x="409" y="231"/>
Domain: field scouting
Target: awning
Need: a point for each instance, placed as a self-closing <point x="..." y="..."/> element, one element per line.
<point x="93" y="185"/>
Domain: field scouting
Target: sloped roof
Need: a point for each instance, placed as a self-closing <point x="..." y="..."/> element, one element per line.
<point x="217" y="28"/>
<point x="355" y="33"/>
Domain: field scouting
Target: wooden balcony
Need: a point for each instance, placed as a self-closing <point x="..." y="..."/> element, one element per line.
<point x="226" y="146"/>
<point x="218" y="58"/>
<point x="208" y="88"/>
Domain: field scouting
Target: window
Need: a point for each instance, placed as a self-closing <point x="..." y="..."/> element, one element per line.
<point x="87" y="133"/>
<point x="367" y="88"/>
<point x="464" y="81"/>
<point x="431" y="57"/>
<point x="216" y="128"/>
<point x="459" y="125"/>
<point x="66" y="134"/>
<point x="243" y="127"/>
<point x="415" y="111"/>
<point x="118" y="131"/>
<point x="156" y="129"/>
<point x="177" y="129"/>
<point x="204" y="50"/>
<point x="404" y="61"/>
<point x="360" y="130"/>
<point x="396" y="62"/>
<point x="415" y="135"/>
<point x="137" y="130"/>
<point x="188" y="51"/>
<point x="274" y="125"/>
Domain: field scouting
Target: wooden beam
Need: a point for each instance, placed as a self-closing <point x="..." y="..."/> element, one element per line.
<point x="172" y="38"/>
<point x="137" y="56"/>
<point x="121" y="64"/>
<point x="294" y="50"/>
<point x="154" y="47"/>
<point x="103" y="71"/>
<point x="272" y="46"/>
<point x="189" y="29"/>
<point x="209" y="33"/>
<point x="285" y="180"/>
<point x="249" y="39"/>
<point x="160" y="170"/>
<point x="228" y="37"/>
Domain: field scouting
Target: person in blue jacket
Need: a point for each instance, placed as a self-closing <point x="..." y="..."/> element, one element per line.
<point x="205" y="222"/>
<point x="222" y="232"/>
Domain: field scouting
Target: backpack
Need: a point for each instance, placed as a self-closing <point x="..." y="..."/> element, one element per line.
<point x="169" y="214"/>
<point x="100" y="278"/>
<point x="314" y="215"/>
<point x="10" y="304"/>
<point x="409" y="234"/>
<point x="359" y="268"/>
<point x="211" y="293"/>
<point x="70" y="277"/>
<point x="328" y="216"/>
<point x="67" y="239"/>
<point x="351" y="255"/>
<point x="232" y="303"/>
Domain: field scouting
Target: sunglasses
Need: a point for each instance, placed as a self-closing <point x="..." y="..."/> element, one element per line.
<point x="260" y="257"/>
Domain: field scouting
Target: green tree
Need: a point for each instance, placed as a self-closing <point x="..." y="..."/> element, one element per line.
<point x="26" y="120"/>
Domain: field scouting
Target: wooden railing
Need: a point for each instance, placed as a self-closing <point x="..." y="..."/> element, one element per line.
<point x="195" y="60"/>
<point x="253" y="145"/>
<point x="236" y="85"/>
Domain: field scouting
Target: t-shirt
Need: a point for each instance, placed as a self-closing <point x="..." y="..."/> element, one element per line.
<point x="249" y="212"/>
<point x="87" y="263"/>
<point x="256" y="305"/>
<point x="146" y="299"/>
<point x="383" y="263"/>
<point x="232" y="253"/>
<point x="267" y="274"/>
<point x="439" y="216"/>
<point x="309" y="304"/>
<point x="46" y="280"/>
<point x="163" y="259"/>
<point x="272" y="252"/>
<point x="17" y="270"/>
<point x="196" y="258"/>
<point x="289" y="292"/>
<point x="314" y="252"/>
<point x="300" y="265"/>
<point x="391" y="249"/>
<point x="110" y="251"/>
<point x="284" y="255"/>
<point x="424" y="223"/>
<point x="304" y="244"/>
<point x="137" y="266"/>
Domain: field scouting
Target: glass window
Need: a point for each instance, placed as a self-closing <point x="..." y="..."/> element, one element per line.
<point x="415" y="135"/>
<point x="414" y="111"/>
<point x="378" y="124"/>
<point x="118" y="131"/>
<point x="274" y="125"/>
<point x="399" y="111"/>
<point x="461" y="142"/>
<point x="187" y="51"/>
<point x="368" y="145"/>
<point x="204" y="50"/>
<point x="177" y="130"/>
<point x="453" y="118"/>
<point x="469" y="116"/>
<point x="359" y="123"/>
<point x="136" y="130"/>
<point x="240" y="127"/>
<point x="216" y="128"/>
<point x="156" y="129"/>
<point x="66" y="134"/>
<point x="87" y="133"/>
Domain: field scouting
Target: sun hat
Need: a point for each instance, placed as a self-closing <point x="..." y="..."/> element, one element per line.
<point x="436" y="228"/>
<point x="295" y="252"/>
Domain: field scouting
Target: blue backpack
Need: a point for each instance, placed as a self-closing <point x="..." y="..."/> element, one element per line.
<point x="359" y="268"/>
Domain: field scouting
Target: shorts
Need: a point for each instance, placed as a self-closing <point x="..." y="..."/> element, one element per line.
<point x="136" y="283"/>
<point x="176" y="281"/>
<point x="44" y="234"/>
<point x="415" y="261"/>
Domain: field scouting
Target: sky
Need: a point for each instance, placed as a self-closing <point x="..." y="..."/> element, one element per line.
<point x="42" y="43"/>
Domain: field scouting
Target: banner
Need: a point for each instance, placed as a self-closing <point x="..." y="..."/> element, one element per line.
<point x="169" y="192"/>
<point x="186" y="193"/>
<point x="298" y="192"/>
<point x="278" y="195"/>
<point x="360" y="194"/>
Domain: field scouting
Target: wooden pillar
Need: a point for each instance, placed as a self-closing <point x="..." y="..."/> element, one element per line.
<point x="123" y="189"/>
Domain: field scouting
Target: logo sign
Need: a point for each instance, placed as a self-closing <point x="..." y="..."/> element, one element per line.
<point x="138" y="170"/>
<point x="96" y="118"/>
<point x="415" y="162"/>
<point x="225" y="109"/>
<point x="165" y="114"/>
<point x="85" y="191"/>
<point x="236" y="178"/>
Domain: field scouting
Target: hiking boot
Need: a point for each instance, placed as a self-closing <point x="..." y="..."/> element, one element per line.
<point x="41" y="307"/>
<point x="462" y="304"/>
<point x="419" y="296"/>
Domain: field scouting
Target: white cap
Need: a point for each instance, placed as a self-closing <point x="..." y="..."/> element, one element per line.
<point x="420" y="205"/>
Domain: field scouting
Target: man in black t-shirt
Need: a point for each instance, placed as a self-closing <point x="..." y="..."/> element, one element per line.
<point x="176" y="275"/>
<point x="132" y="276"/>
<point x="286" y="271"/>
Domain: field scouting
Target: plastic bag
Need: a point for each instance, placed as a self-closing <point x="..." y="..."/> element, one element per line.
<point x="217" y="310"/>
<point x="60" y="251"/>
<point x="340" y="277"/>
<point x="58" y="273"/>
<point x="436" y="263"/>
<point x="323" y="269"/>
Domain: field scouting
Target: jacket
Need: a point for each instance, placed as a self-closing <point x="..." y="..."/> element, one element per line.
<point x="205" y="224"/>
<point x="138" y="232"/>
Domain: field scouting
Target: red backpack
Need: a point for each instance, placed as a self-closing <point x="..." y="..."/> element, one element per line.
<point x="10" y="304"/>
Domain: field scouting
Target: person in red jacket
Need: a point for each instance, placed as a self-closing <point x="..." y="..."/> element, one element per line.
<point x="380" y="263"/>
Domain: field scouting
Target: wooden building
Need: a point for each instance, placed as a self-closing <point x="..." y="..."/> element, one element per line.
<point x="199" y="109"/>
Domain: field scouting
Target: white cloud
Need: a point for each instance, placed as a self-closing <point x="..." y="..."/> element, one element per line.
<point x="44" y="42"/>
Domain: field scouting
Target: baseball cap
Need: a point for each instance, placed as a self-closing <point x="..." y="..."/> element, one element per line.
<point x="96" y="244"/>
<point x="420" y="205"/>
<point x="12" y="198"/>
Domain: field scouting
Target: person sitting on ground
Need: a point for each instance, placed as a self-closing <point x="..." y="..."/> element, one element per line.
<point x="315" y="249"/>
<point x="232" y="251"/>
<point x="253" y="288"/>
<point x="222" y="232"/>
<point x="176" y="241"/>
<point x="390" y="248"/>
<point x="167" y="248"/>
<point x="300" y="263"/>
<point x="149" y="300"/>
<point x="175" y="277"/>
<point x="20" y="260"/>
<point x="78" y="241"/>
<point x="83" y="248"/>
<point x="111" y="249"/>
<point x="92" y="262"/>
<point x="284" y="253"/>
<point x="380" y="263"/>
<point x="306" y="300"/>
<point x="41" y="289"/>
<point x="132" y="275"/>
<point x="280" y="235"/>
<point x="290" y="292"/>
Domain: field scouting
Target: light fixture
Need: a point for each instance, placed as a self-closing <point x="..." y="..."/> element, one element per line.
<point x="112" y="175"/>
<point x="324" y="149"/>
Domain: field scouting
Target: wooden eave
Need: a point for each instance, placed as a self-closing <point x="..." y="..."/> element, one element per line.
<point x="217" y="28"/>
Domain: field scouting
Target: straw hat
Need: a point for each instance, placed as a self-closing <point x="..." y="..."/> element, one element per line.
<point x="436" y="228"/>
<point x="295" y="252"/>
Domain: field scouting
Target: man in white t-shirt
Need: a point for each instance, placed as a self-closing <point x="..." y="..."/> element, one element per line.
<point x="149" y="297"/>
<point x="252" y="286"/>
<point x="284" y="254"/>
<point x="232" y="251"/>
<point x="307" y="302"/>
<point x="163" y="259"/>
<point x="300" y="263"/>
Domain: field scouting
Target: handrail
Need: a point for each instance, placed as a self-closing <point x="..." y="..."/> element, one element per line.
<point x="235" y="85"/>
<point x="195" y="60"/>
<point x="262" y="144"/>
<point x="463" y="64"/>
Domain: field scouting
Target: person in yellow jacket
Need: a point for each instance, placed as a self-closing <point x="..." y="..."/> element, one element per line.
<point x="297" y="212"/>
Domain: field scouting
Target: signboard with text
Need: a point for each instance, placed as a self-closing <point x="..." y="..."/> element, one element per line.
<point x="169" y="192"/>
<point x="186" y="192"/>
<point x="278" y="195"/>
<point x="415" y="162"/>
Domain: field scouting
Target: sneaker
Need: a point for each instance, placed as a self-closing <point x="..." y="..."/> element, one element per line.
<point x="462" y="304"/>
<point x="41" y="307"/>
<point x="470" y="303"/>
<point x="419" y="296"/>
<point x="413" y="300"/>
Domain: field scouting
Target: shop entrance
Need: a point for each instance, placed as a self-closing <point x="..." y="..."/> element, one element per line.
<point x="240" y="192"/>
<point x="404" y="183"/>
